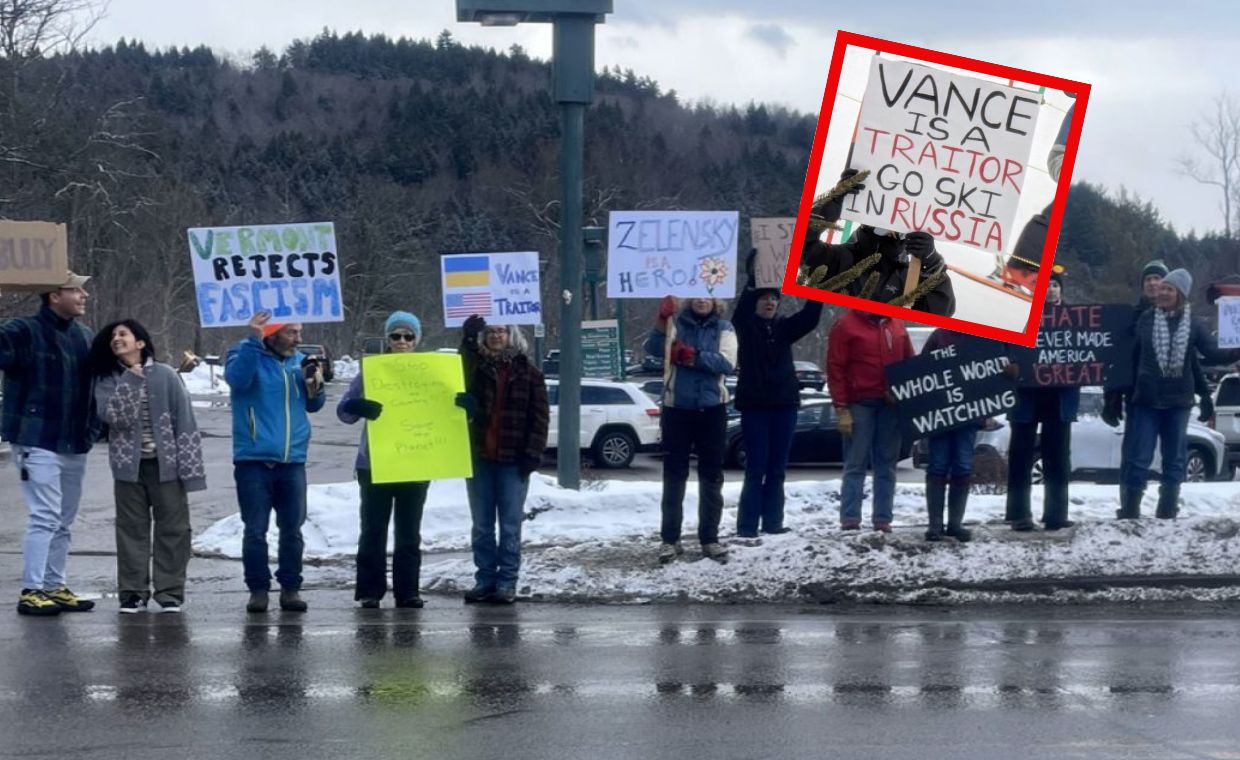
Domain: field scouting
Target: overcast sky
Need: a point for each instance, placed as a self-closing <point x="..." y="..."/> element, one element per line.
<point x="1154" y="66"/>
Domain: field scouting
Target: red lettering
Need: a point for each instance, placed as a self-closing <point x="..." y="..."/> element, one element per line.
<point x="899" y="209"/>
<point x="874" y="137"/>
<point x="995" y="235"/>
<point x="1042" y="373"/>
<point x="951" y="159"/>
<point x="1011" y="170"/>
<point x="928" y="151"/>
<point x="992" y="162"/>
<point x="977" y="222"/>
<point x="902" y="144"/>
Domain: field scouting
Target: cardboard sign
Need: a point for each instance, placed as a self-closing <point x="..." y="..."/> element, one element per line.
<point x="1228" y="322"/>
<point x="290" y="270"/>
<point x="422" y="434"/>
<point x="772" y="236"/>
<point x="502" y="287"/>
<point x="951" y="387"/>
<point x="651" y="254"/>
<point x="1079" y="345"/>
<point x="33" y="255"/>
<point x="600" y="348"/>
<point x="947" y="154"/>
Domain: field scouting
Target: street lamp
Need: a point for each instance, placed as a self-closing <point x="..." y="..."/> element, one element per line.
<point x="572" y="64"/>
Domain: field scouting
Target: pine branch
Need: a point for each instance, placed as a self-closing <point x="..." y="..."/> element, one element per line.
<point x="841" y="187"/>
<point x="927" y="285"/>
<point x="871" y="284"/>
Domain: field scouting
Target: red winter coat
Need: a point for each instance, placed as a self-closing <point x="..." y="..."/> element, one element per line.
<point x="858" y="348"/>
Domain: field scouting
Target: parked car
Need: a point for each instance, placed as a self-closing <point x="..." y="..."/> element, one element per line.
<point x="618" y="421"/>
<point x="817" y="439"/>
<point x="1096" y="447"/>
<point x="810" y="375"/>
<point x="1226" y="418"/>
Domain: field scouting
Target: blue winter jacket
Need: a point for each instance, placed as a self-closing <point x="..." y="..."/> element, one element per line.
<point x="703" y="385"/>
<point x="269" y="404"/>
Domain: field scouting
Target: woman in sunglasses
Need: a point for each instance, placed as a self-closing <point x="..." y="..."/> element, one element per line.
<point x="399" y="502"/>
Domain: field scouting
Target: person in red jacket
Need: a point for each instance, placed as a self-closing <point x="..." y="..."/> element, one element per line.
<point x="859" y="347"/>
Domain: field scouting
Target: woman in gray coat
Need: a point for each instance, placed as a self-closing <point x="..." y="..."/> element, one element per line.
<point x="155" y="453"/>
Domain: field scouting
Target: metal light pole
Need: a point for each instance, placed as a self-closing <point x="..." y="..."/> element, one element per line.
<point x="573" y="73"/>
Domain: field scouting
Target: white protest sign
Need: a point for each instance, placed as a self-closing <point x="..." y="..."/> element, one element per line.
<point x="651" y="254"/>
<point x="772" y="236"/>
<point x="947" y="154"/>
<point x="501" y="287"/>
<point x="1228" y="322"/>
<point x="290" y="270"/>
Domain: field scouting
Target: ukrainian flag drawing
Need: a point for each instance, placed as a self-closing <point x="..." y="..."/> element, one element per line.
<point x="467" y="271"/>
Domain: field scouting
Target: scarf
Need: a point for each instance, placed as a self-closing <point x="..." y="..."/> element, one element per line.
<point x="1171" y="349"/>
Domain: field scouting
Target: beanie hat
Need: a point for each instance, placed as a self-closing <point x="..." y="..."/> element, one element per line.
<point x="1182" y="280"/>
<point x="271" y="328"/>
<point x="404" y="319"/>
<point x="1154" y="267"/>
<point x="759" y="292"/>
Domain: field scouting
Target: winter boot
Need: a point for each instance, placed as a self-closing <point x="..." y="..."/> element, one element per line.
<point x="957" y="498"/>
<point x="936" y="494"/>
<point x="1168" y="502"/>
<point x="1129" y="504"/>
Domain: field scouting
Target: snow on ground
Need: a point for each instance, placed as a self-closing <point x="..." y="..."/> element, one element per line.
<point x="346" y="368"/>
<point x="599" y="545"/>
<point x="202" y="382"/>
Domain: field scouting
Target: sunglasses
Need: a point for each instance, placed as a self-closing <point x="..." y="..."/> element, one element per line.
<point x="406" y="337"/>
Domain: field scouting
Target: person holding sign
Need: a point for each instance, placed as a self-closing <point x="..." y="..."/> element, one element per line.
<point x="400" y="503"/>
<point x="506" y="400"/>
<point x="859" y="347"/>
<point x="1168" y="341"/>
<point x="699" y="351"/>
<point x="768" y="396"/>
<point x="155" y="453"/>
<point x="271" y="390"/>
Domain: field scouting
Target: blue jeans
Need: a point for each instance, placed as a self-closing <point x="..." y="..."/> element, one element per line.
<point x="52" y="486"/>
<point x="261" y="488"/>
<point x="1149" y="427"/>
<point x="768" y="441"/>
<point x="951" y="453"/>
<point x="496" y="493"/>
<point x="875" y="440"/>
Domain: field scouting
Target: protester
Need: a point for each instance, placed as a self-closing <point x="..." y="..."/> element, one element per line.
<point x="400" y="503"/>
<point x="506" y="400"/>
<point x="1053" y="410"/>
<point x="1168" y="339"/>
<point x="49" y="420"/>
<point x="767" y="395"/>
<point x="155" y="453"/>
<point x="859" y="347"/>
<point x="272" y="389"/>
<point x="699" y="349"/>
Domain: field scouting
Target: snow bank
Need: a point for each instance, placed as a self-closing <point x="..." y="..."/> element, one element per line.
<point x="200" y="383"/>
<point x="346" y="368"/>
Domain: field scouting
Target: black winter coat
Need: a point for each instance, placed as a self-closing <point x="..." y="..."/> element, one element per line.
<point x="767" y="377"/>
<point x="1154" y="390"/>
<point x="892" y="273"/>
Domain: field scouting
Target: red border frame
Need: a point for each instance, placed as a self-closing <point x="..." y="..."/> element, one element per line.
<point x="843" y="40"/>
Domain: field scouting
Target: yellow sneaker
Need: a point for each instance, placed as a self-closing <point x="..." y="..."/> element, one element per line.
<point x="35" y="602"/>
<point x="69" y="601"/>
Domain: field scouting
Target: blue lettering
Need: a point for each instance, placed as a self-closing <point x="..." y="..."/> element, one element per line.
<point x="207" y="292"/>
<point x="326" y="290"/>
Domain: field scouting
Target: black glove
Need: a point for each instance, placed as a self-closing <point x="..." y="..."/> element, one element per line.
<point x="362" y="407"/>
<point x="832" y="210"/>
<point x="1207" y="409"/>
<point x="526" y="465"/>
<point x="919" y="245"/>
<point x="474" y="325"/>
<point x="1113" y="409"/>
<point x="468" y="403"/>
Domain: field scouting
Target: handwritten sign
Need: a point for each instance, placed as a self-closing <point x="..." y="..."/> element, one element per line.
<point x="951" y="387"/>
<point x="651" y="254"/>
<point x="422" y="434"/>
<point x="772" y="236"/>
<point x="948" y="154"/>
<point x="290" y="270"/>
<point x="33" y="254"/>
<point x="502" y="287"/>
<point x="1228" y="322"/>
<point x="1079" y="345"/>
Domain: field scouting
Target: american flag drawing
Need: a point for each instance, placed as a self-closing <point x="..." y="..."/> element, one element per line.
<point x="458" y="305"/>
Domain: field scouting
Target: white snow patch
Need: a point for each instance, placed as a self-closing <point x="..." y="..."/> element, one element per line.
<point x="206" y="380"/>
<point x="346" y="368"/>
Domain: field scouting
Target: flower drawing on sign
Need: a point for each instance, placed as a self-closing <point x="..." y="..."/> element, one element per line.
<point x="712" y="271"/>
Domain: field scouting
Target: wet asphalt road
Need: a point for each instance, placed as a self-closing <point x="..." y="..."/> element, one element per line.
<point x="541" y="681"/>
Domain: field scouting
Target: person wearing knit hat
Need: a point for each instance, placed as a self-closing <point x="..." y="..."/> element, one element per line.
<point x="1168" y="340"/>
<point x="398" y="503"/>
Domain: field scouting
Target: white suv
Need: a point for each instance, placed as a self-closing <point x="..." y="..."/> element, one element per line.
<point x="618" y="421"/>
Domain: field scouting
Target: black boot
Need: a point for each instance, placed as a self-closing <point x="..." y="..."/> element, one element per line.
<point x="1129" y="504"/>
<point x="957" y="498"/>
<point x="1019" y="512"/>
<point x="1168" y="502"/>
<point x="936" y="493"/>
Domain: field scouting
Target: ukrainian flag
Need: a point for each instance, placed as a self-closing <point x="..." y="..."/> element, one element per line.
<point x="467" y="271"/>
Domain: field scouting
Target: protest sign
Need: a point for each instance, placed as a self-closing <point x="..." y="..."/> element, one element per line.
<point x="651" y="254"/>
<point x="947" y="154"/>
<point x="772" y="236"/>
<point x="1228" y="322"/>
<point x="421" y="434"/>
<point x="33" y="255"/>
<point x="951" y="387"/>
<point x="503" y="288"/>
<point x="600" y="348"/>
<point x="1079" y="345"/>
<point x="290" y="270"/>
